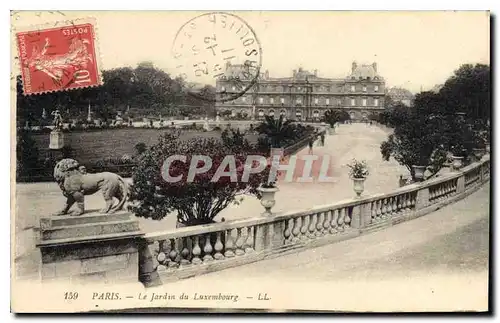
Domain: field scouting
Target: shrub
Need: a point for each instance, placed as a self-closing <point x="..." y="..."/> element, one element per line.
<point x="198" y="201"/>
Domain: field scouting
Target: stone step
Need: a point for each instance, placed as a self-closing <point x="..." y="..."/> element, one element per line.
<point x="68" y="220"/>
<point x="89" y="229"/>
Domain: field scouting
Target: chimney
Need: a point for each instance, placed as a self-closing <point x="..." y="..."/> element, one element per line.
<point x="354" y="66"/>
<point x="375" y="67"/>
<point x="315" y="72"/>
<point x="294" y="73"/>
<point x="266" y="74"/>
<point x="228" y="64"/>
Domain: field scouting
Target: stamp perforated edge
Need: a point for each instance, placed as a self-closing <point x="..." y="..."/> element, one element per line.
<point x="55" y="25"/>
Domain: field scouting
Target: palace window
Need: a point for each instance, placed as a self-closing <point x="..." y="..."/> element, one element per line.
<point x="375" y="88"/>
<point x="339" y="101"/>
<point x="298" y="114"/>
<point x="261" y="100"/>
<point x="364" y="102"/>
<point x="299" y="100"/>
<point x="316" y="101"/>
<point x="327" y="101"/>
<point x="271" y="113"/>
<point x="364" y="88"/>
<point x="222" y="88"/>
<point x="375" y="102"/>
<point x="283" y="112"/>
<point x="261" y="113"/>
<point x="353" y="102"/>
<point x="243" y="99"/>
<point x="271" y="100"/>
<point x="327" y="89"/>
<point x="282" y="100"/>
<point x="353" y="88"/>
<point x="234" y="88"/>
<point x="316" y="113"/>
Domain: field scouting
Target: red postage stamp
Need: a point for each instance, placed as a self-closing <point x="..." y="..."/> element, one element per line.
<point x="59" y="58"/>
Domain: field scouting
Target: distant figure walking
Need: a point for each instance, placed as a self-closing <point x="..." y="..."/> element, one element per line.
<point x="322" y="137"/>
<point x="311" y="142"/>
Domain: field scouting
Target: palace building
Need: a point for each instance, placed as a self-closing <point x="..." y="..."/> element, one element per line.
<point x="304" y="96"/>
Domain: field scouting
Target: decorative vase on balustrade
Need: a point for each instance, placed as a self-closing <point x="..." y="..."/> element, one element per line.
<point x="457" y="162"/>
<point x="359" y="185"/>
<point x="267" y="200"/>
<point x="419" y="172"/>
<point x="479" y="153"/>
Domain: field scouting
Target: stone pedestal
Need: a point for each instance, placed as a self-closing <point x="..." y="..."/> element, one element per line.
<point x="90" y="248"/>
<point x="56" y="140"/>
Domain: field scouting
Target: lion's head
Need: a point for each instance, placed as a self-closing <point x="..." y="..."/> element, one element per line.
<point x="63" y="166"/>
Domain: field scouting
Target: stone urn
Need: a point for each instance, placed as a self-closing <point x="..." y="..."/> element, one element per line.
<point x="479" y="153"/>
<point x="419" y="172"/>
<point x="359" y="185"/>
<point x="457" y="162"/>
<point x="267" y="200"/>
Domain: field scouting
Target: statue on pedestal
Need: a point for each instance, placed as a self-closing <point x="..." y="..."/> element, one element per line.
<point x="58" y="121"/>
<point x="56" y="135"/>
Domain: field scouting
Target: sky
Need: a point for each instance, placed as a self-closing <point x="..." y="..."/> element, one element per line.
<point x="414" y="50"/>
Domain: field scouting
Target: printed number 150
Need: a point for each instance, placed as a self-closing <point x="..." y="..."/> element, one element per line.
<point x="71" y="295"/>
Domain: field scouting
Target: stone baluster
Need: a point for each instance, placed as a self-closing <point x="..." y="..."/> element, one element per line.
<point x="341" y="219"/>
<point x="319" y="224"/>
<point x="389" y="206"/>
<point x="326" y="222"/>
<point x="304" y="228"/>
<point x="173" y="255"/>
<point x="248" y="245"/>
<point x="297" y="224"/>
<point x="347" y="218"/>
<point x="334" y="223"/>
<point x="374" y="211"/>
<point x="185" y="251"/>
<point x="379" y="209"/>
<point x="196" y="251"/>
<point x="287" y="234"/>
<point x="229" y="244"/>
<point x="207" y="249"/>
<point x="400" y="203"/>
<point x="218" y="247"/>
<point x="239" y="243"/>
<point x="312" y="226"/>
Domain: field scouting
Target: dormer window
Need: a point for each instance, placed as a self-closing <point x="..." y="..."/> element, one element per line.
<point x="375" y="78"/>
<point x="375" y="88"/>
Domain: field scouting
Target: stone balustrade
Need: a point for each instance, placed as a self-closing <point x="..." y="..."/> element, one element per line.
<point x="111" y="248"/>
<point x="192" y="251"/>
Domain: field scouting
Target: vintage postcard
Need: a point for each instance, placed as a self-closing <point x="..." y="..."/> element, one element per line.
<point x="274" y="161"/>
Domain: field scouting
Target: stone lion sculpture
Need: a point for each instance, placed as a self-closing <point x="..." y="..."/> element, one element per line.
<point x="75" y="183"/>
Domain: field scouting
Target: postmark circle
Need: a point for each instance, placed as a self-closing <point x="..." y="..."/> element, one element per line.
<point x="217" y="46"/>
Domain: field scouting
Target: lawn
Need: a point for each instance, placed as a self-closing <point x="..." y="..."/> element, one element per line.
<point x="92" y="146"/>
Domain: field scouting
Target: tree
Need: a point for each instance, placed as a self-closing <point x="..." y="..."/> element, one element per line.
<point x="417" y="140"/>
<point x="277" y="130"/>
<point x="333" y="116"/>
<point x="200" y="200"/>
<point x="469" y="91"/>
